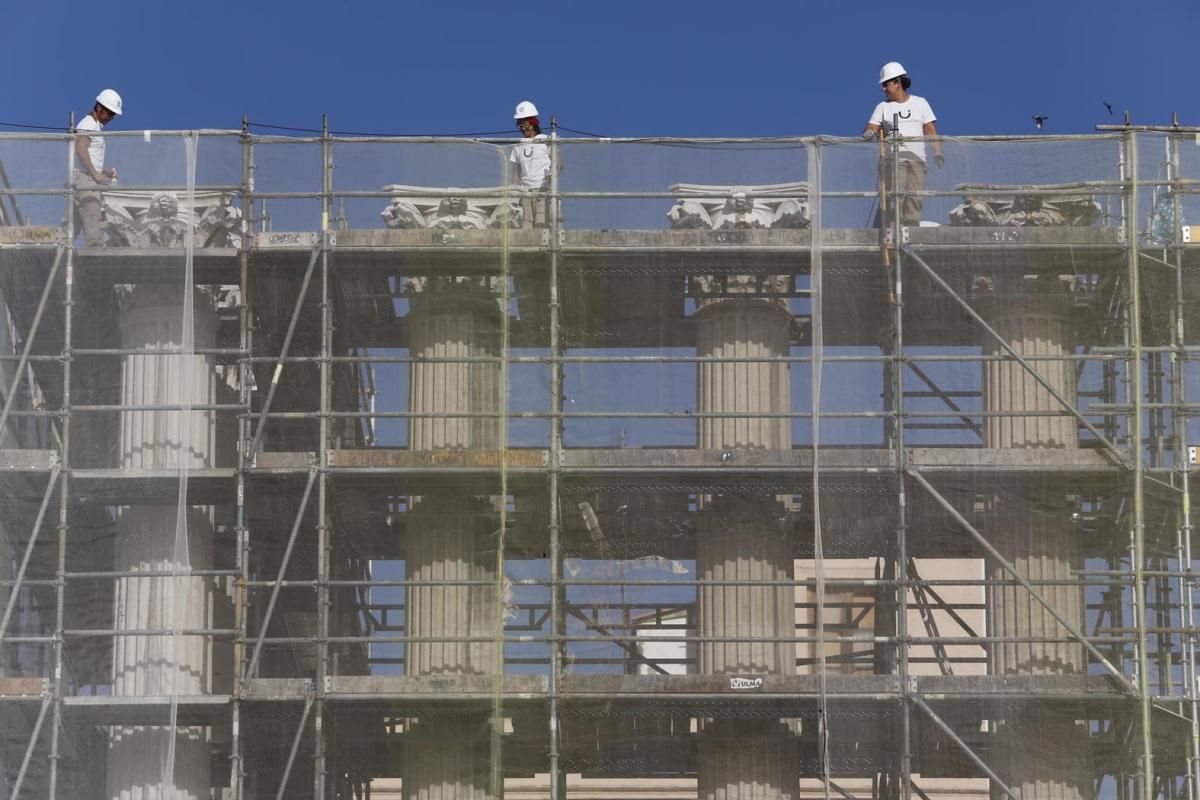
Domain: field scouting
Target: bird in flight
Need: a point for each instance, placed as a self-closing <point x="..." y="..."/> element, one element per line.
<point x="1108" y="106"/>
<point x="1039" y="120"/>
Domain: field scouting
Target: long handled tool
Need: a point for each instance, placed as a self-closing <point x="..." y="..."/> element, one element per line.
<point x="883" y="208"/>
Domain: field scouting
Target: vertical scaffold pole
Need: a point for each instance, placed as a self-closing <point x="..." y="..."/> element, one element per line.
<point x="816" y="278"/>
<point x="1188" y="705"/>
<point x="557" y="779"/>
<point x="64" y="484"/>
<point x="901" y="549"/>
<point x="237" y="767"/>
<point x="319" y="764"/>
<point x="1136" y="435"/>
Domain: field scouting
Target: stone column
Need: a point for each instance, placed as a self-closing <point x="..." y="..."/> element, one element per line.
<point x="162" y="538"/>
<point x="451" y="535"/>
<point x="745" y="539"/>
<point x="1042" y="752"/>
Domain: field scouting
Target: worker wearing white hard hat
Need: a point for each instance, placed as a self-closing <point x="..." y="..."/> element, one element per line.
<point x="909" y="117"/>
<point x="92" y="173"/>
<point x="531" y="161"/>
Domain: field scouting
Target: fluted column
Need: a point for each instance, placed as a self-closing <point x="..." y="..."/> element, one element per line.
<point x="454" y="321"/>
<point x="451" y="541"/>
<point x="451" y="535"/>
<point x="448" y="758"/>
<point x="746" y="540"/>
<point x="744" y="329"/>
<point x="1042" y="750"/>
<point x="162" y="538"/>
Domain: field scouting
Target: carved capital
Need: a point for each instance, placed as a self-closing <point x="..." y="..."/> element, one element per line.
<point x="423" y="207"/>
<point x="166" y="218"/>
<point x="781" y="205"/>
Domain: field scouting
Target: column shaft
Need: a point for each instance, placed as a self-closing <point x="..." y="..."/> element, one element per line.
<point x="744" y="539"/>
<point x="452" y="536"/>
<point x="163" y="538"/>
<point x="1042" y="754"/>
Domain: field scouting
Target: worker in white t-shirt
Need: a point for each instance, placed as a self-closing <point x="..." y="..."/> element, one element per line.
<point x="912" y="117"/>
<point x="92" y="173"/>
<point x="531" y="161"/>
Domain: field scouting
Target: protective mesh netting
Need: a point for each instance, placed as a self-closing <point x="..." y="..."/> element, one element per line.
<point x="738" y="469"/>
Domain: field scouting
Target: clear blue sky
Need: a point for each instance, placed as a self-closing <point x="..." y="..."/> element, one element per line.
<point x="615" y="68"/>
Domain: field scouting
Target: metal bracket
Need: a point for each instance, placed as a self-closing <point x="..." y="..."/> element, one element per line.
<point x="904" y="234"/>
<point x="1185" y="233"/>
<point x="547" y="240"/>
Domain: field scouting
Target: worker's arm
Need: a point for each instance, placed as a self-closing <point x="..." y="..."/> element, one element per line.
<point x="871" y="131"/>
<point x="85" y="160"/>
<point x="930" y="129"/>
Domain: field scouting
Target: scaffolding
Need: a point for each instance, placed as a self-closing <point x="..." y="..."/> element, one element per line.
<point x="348" y="469"/>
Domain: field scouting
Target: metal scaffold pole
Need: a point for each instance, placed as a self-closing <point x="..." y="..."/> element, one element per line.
<point x="320" y="736"/>
<point x="558" y="779"/>
<point x="900" y="560"/>
<point x="1189" y="704"/>
<point x="1136" y="445"/>
<point x="58" y="680"/>
<point x="245" y="457"/>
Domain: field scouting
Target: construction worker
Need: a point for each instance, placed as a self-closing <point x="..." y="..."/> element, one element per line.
<point x="92" y="173"/>
<point x="910" y="116"/>
<point x="531" y="161"/>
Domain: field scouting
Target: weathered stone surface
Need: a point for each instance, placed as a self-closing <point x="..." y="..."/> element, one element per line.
<point x="418" y="207"/>
<point x="1024" y="206"/>
<point x="783" y="205"/>
<point x="165" y="219"/>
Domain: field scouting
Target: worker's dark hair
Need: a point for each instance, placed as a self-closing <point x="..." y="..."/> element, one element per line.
<point x="906" y="82"/>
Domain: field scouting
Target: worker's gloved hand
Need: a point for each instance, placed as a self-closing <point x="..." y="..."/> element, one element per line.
<point x="870" y="136"/>
<point x="939" y="160"/>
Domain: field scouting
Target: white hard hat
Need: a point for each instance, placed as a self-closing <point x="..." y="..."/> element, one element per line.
<point x="110" y="100"/>
<point x="892" y="69"/>
<point x="525" y="109"/>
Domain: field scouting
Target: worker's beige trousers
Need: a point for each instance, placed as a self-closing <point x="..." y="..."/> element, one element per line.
<point x="88" y="215"/>
<point x="911" y="181"/>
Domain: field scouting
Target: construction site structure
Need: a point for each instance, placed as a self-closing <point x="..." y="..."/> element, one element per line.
<point x="345" y="469"/>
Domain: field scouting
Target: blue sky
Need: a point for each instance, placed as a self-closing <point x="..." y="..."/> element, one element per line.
<point x="616" y="68"/>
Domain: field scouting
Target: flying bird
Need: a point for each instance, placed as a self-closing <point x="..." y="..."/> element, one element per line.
<point x="1108" y="106"/>
<point x="1039" y="120"/>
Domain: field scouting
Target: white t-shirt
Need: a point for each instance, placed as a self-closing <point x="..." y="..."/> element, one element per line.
<point x="95" y="143"/>
<point x="533" y="157"/>
<point x="913" y="114"/>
